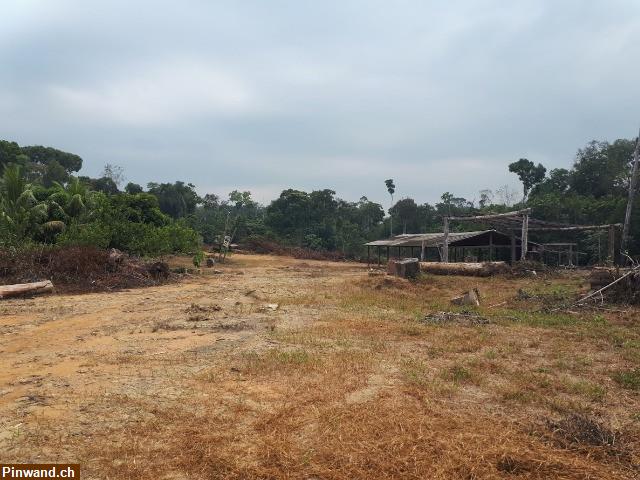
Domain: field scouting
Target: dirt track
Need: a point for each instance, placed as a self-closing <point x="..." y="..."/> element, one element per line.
<point x="60" y="353"/>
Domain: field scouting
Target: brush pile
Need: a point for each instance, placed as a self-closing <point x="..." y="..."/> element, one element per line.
<point x="259" y="245"/>
<point x="625" y="284"/>
<point x="79" y="269"/>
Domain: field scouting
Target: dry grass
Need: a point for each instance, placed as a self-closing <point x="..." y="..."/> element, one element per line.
<point x="368" y="390"/>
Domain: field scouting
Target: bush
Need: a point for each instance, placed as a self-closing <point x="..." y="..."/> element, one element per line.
<point x="135" y="238"/>
<point x="95" y="234"/>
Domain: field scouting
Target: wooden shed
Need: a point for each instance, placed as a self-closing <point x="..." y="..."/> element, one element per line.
<point x="483" y="245"/>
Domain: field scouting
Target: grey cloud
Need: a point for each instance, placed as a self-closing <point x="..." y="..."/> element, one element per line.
<point x="440" y="96"/>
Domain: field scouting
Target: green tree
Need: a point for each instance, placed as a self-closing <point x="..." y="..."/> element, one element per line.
<point x="406" y="211"/>
<point x="176" y="199"/>
<point x="21" y="215"/>
<point x="133" y="188"/>
<point x="528" y="173"/>
<point x="391" y="188"/>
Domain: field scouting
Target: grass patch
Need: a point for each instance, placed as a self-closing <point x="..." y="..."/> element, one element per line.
<point x="629" y="379"/>
<point x="457" y="374"/>
<point x="277" y="360"/>
<point x="591" y="390"/>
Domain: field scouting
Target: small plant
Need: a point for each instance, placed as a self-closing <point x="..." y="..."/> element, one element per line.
<point x="629" y="379"/>
<point x="457" y="374"/>
<point x="198" y="258"/>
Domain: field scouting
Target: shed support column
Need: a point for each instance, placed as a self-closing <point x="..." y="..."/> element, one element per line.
<point x="379" y="255"/>
<point x="513" y="249"/>
<point x="491" y="252"/>
<point x="570" y="255"/>
<point x="445" y="243"/>
<point x="388" y="255"/>
<point x="525" y="236"/>
<point x="612" y="246"/>
<point x="422" y="251"/>
<point x="368" y="255"/>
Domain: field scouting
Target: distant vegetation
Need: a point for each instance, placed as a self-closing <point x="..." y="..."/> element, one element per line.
<point x="44" y="200"/>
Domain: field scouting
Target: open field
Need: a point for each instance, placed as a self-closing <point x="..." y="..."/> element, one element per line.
<point x="345" y="379"/>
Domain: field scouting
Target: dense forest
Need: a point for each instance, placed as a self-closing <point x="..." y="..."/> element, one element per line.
<point x="43" y="199"/>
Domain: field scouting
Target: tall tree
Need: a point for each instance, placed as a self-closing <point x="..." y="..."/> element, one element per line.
<point x="528" y="173"/>
<point x="406" y="210"/>
<point x="391" y="188"/>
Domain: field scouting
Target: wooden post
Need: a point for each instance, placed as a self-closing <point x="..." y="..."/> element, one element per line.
<point x="513" y="249"/>
<point x="368" y="255"/>
<point x="445" y="243"/>
<point x="388" y="254"/>
<point x="541" y="253"/>
<point x="633" y="184"/>
<point x="491" y="246"/>
<point x="612" y="245"/>
<point x="379" y="250"/>
<point x="570" y="255"/>
<point x="525" y="236"/>
<point x="422" y="251"/>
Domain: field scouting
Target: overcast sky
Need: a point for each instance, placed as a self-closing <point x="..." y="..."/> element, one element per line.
<point x="266" y="95"/>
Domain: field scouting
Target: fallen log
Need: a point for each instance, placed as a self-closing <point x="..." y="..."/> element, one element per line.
<point x="484" y="269"/>
<point x="19" y="289"/>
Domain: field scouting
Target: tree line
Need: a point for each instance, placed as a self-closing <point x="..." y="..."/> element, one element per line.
<point x="43" y="199"/>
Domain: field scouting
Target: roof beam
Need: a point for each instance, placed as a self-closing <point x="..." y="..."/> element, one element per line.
<point x="526" y="211"/>
<point x="576" y="228"/>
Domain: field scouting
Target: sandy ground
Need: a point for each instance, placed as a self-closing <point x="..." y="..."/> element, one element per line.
<point x="284" y="368"/>
<point x="61" y="354"/>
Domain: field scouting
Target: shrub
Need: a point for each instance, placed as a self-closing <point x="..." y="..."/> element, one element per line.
<point x="95" y="234"/>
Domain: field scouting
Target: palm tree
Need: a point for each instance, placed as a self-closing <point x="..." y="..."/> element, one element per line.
<point x="74" y="197"/>
<point x="20" y="212"/>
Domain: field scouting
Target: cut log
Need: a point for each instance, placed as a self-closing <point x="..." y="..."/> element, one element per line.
<point x="19" y="289"/>
<point x="484" y="269"/>
<point x="405" y="268"/>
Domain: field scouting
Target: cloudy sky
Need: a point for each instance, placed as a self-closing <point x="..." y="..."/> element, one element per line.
<point x="265" y="95"/>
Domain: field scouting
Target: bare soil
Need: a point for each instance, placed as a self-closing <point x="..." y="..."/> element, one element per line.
<point x="288" y="368"/>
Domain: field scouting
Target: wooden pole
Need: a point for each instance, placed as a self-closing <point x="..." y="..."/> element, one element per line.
<point x="526" y="211"/>
<point x="368" y="255"/>
<point x="570" y="255"/>
<point x="575" y="228"/>
<point x="612" y="246"/>
<point x="491" y="246"/>
<point x="513" y="249"/>
<point x="379" y="250"/>
<point x="633" y="185"/>
<point x="525" y="237"/>
<point x="445" y="243"/>
<point x="422" y="251"/>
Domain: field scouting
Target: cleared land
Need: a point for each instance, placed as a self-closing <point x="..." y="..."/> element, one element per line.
<point x="345" y="379"/>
